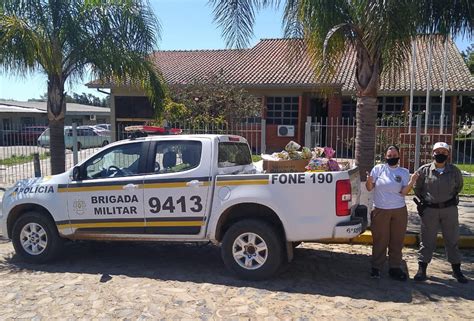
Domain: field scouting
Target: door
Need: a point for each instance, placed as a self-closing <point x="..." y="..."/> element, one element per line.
<point x="177" y="189"/>
<point x="319" y="117"/>
<point x="109" y="198"/>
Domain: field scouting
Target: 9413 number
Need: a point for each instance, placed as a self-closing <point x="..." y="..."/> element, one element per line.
<point x="170" y="205"/>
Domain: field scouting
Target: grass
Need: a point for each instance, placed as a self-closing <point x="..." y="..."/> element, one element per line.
<point x="466" y="167"/>
<point x="256" y="158"/>
<point x="21" y="159"/>
<point x="468" y="188"/>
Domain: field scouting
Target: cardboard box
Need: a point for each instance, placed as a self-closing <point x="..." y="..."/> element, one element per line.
<point x="285" y="166"/>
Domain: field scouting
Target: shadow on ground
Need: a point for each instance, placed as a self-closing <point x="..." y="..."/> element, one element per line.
<point x="315" y="272"/>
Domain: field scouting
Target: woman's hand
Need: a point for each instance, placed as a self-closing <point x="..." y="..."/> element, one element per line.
<point x="369" y="178"/>
<point x="369" y="183"/>
<point x="414" y="178"/>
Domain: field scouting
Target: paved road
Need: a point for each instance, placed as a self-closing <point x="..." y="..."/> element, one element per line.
<point x="149" y="281"/>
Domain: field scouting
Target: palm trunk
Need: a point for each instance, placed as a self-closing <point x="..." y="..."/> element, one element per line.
<point x="56" y="113"/>
<point x="366" y="116"/>
<point x="367" y="84"/>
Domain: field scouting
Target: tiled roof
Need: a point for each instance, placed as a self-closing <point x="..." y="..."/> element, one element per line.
<point x="286" y="63"/>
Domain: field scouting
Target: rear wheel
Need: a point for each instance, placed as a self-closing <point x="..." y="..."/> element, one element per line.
<point x="252" y="250"/>
<point x="35" y="238"/>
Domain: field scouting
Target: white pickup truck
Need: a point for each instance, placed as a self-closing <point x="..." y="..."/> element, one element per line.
<point x="195" y="188"/>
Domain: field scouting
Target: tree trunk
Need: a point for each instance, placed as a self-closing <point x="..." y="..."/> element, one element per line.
<point x="367" y="84"/>
<point x="366" y="116"/>
<point x="56" y="112"/>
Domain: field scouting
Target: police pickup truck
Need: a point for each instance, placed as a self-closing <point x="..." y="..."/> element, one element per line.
<point x="189" y="188"/>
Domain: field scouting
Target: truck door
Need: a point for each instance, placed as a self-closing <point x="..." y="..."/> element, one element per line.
<point x="109" y="198"/>
<point x="177" y="189"/>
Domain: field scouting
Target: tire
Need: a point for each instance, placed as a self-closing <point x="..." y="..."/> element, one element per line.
<point x="266" y="236"/>
<point x="48" y="245"/>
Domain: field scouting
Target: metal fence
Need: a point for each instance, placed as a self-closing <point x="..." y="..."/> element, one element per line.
<point x="340" y="133"/>
<point x="18" y="145"/>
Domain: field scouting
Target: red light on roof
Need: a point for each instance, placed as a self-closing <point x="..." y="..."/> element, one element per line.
<point x="234" y="139"/>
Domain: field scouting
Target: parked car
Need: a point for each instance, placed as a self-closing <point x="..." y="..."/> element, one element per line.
<point x="29" y="134"/>
<point x="87" y="137"/>
<point x="104" y="126"/>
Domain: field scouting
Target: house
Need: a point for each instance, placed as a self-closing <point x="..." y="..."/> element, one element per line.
<point x="280" y="71"/>
<point x="16" y="115"/>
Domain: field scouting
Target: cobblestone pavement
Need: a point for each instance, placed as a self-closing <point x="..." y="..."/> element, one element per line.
<point x="177" y="281"/>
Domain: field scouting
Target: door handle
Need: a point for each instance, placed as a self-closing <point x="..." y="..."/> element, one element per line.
<point x="130" y="186"/>
<point x="194" y="183"/>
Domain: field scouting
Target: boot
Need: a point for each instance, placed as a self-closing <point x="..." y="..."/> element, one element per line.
<point x="421" y="274"/>
<point x="458" y="274"/>
<point x="397" y="274"/>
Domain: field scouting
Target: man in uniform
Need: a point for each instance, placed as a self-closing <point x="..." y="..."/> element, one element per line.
<point x="438" y="186"/>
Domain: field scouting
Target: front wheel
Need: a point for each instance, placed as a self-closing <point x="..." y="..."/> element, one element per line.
<point x="252" y="250"/>
<point x="35" y="238"/>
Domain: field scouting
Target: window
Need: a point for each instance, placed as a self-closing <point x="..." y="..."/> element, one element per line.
<point x="348" y="109"/>
<point x="78" y="121"/>
<point x="282" y="110"/>
<point x="27" y="121"/>
<point x="419" y="106"/>
<point x="390" y="106"/>
<point x="118" y="161"/>
<point x="177" y="156"/>
<point x="133" y="107"/>
<point x="234" y="154"/>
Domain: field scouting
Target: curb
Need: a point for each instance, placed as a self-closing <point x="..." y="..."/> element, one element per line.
<point x="411" y="239"/>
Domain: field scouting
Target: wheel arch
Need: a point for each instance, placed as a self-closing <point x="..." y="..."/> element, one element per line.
<point x="249" y="210"/>
<point x="19" y="210"/>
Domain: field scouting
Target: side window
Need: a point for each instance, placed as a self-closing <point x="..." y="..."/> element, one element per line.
<point x="118" y="161"/>
<point x="177" y="156"/>
<point x="233" y="154"/>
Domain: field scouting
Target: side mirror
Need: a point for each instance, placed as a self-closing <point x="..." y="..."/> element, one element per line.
<point x="76" y="173"/>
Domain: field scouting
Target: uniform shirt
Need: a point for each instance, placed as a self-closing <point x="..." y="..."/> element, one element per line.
<point x="388" y="185"/>
<point x="435" y="187"/>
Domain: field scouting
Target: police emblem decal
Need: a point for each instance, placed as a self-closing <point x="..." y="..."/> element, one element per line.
<point x="79" y="206"/>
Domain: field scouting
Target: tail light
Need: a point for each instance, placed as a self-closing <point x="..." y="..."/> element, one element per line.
<point x="343" y="197"/>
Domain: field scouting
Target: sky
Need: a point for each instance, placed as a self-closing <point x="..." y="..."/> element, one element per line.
<point x="185" y="25"/>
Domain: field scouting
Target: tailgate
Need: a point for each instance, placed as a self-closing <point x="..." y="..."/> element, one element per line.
<point x="354" y="176"/>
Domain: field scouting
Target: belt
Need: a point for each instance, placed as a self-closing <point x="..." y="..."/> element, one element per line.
<point x="448" y="203"/>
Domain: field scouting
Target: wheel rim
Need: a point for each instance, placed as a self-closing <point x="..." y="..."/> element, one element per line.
<point x="33" y="238"/>
<point x="250" y="251"/>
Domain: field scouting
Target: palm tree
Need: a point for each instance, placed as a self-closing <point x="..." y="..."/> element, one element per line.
<point x="67" y="39"/>
<point x="380" y="33"/>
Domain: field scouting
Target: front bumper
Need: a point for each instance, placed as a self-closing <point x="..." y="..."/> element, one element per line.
<point x="354" y="227"/>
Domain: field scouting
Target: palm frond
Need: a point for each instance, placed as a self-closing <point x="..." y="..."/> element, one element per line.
<point x="20" y="45"/>
<point x="453" y="17"/>
<point x="237" y="18"/>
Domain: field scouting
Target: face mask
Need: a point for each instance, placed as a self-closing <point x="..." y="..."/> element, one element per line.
<point x="440" y="158"/>
<point x="392" y="161"/>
